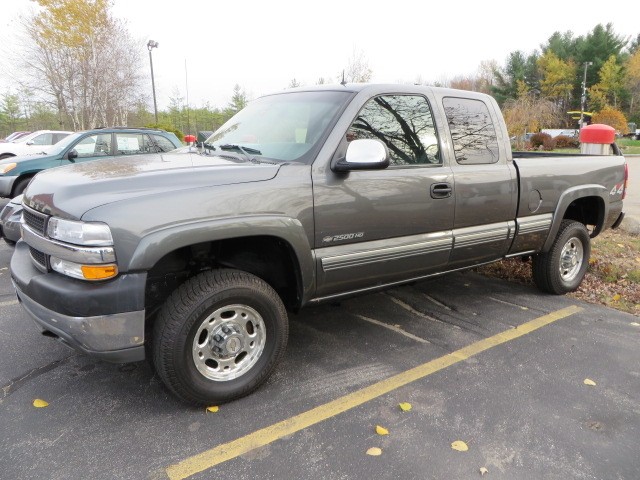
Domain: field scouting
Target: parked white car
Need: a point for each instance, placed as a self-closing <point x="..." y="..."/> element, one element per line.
<point x="35" y="142"/>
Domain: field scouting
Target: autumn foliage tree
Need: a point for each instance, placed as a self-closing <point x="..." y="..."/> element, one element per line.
<point x="557" y="77"/>
<point x="84" y="60"/>
<point x="608" y="90"/>
<point x="632" y="80"/>
<point x="612" y="117"/>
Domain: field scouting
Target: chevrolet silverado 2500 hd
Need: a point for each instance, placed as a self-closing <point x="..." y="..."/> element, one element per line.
<point x="304" y="196"/>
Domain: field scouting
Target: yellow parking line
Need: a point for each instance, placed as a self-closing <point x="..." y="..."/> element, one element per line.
<point x="267" y="435"/>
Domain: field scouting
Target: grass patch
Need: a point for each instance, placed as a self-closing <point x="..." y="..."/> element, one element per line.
<point x="613" y="278"/>
<point x="628" y="146"/>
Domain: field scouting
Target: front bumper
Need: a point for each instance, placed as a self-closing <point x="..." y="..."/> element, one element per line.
<point x="105" y="319"/>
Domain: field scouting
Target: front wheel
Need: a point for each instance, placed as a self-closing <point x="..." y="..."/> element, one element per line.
<point x="219" y="336"/>
<point x="563" y="267"/>
<point x="20" y="186"/>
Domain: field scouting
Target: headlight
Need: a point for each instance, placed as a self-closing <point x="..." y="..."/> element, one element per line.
<point x="79" y="233"/>
<point x="7" y="168"/>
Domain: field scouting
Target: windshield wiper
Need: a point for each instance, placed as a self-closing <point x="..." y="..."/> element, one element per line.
<point x="247" y="151"/>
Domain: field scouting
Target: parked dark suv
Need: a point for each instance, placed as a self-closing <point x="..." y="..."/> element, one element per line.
<point x="16" y="172"/>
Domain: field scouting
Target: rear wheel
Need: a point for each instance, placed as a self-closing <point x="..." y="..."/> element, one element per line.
<point x="219" y="336"/>
<point x="563" y="267"/>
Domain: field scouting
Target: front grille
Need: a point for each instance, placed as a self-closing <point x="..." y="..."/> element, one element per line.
<point x="39" y="258"/>
<point x="36" y="221"/>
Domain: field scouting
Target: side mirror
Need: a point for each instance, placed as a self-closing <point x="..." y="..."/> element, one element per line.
<point x="364" y="154"/>
<point x="72" y="155"/>
<point x="30" y="142"/>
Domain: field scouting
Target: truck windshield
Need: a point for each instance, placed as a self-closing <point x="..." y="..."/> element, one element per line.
<point x="281" y="127"/>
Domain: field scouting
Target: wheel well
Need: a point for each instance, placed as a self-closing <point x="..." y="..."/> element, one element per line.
<point x="269" y="258"/>
<point x="589" y="211"/>
<point x="16" y="184"/>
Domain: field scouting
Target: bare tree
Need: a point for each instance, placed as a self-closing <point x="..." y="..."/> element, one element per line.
<point x="529" y="113"/>
<point x="357" y="70"/>
<point x="83" y="61"/>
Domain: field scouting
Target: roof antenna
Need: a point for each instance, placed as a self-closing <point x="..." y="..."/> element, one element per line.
<point x="343" y="82"/>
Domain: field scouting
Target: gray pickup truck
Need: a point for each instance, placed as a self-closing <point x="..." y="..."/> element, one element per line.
<point x="314" y="194"/>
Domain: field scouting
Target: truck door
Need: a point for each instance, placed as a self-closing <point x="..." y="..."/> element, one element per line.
<point x="90" y="147"/>
<point x="377" y="227"/>
<point x="486" y="185"/>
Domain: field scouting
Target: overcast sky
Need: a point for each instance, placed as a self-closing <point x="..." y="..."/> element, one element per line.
<point x="263" y="45"/>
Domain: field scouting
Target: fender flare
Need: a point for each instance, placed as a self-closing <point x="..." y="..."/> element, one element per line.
<point x="159" y="243"/>
<point x="570" y="195"/>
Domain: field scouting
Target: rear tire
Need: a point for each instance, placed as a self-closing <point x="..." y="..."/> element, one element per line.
<point x="562" y="268"/>
<point x="219" y="336"/>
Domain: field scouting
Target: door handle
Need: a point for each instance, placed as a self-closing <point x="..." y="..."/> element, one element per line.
<point x="441" y="190"/>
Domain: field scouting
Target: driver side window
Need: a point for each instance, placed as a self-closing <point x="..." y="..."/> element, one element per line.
<point x="94" y="146"/>
<point x="404" y="123"/>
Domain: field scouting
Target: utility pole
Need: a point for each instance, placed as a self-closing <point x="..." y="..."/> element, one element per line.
<point x="151" y="45"/>
<point x="583" y="99"/>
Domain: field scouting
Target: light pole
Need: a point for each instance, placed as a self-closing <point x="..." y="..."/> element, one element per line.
<point x="584" y="93"/>
<point x="151" y="45"/>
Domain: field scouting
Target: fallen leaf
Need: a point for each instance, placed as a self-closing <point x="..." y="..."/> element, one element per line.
<point x="374" y="451"/>
<point x="381" y="430"/>
<point x="616" y="297"/>
<point x="635" y="324"/>
<point x="40" y="403"/>
<point x="592" y="260"/>
<point x="589" y="382"/>
<point x="460" y="446"/>
<point x="483" y="470"/>
<point x="405" y="406"/>
<point x="213" y="409"/>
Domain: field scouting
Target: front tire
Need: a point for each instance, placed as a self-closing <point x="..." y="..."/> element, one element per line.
<point x="219" y="336"/>
<point x="20" y="186"/>
<point x="563" y="267"/>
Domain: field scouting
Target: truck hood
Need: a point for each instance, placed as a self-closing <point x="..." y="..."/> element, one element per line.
<point x="72" y="190"/>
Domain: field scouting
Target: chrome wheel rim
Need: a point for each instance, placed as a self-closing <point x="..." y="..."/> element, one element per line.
<point x="229" y="342"/>
<point x="571" y="259"/>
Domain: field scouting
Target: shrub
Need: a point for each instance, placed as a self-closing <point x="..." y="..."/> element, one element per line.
<point x="538" y="139"/>
<point x="548" y="144"/>
<point x="562" y="141"/>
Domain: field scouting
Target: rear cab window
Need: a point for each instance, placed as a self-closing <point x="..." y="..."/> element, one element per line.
<point x="472" y="131"/>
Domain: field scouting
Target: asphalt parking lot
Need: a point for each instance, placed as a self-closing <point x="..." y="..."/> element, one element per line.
<point x="498" y="366"/>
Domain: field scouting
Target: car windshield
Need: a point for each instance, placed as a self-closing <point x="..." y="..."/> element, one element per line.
<point x="281" y="127"/>
<point x="26" y="138"/>
<point x="65" y="143"/>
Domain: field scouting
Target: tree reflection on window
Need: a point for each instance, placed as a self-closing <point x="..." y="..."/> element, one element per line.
<point x="404" y="123"/>
<point x="472" y="131"/>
